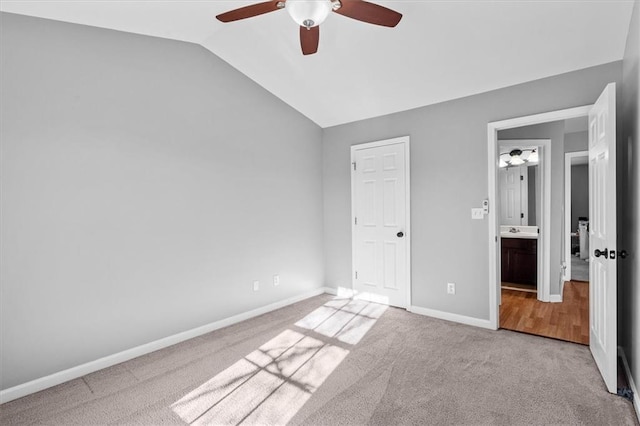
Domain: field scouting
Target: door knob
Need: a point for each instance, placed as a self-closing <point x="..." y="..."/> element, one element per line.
<point x="622" y="254"/>
<point x="604" y="253"/>
<point x="400" y="234"/>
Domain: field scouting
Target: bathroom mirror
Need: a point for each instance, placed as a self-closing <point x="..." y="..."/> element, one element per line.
<point x="519" y="185"/>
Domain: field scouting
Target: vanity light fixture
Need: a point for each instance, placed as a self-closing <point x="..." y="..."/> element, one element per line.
<point x="517" y="157"/>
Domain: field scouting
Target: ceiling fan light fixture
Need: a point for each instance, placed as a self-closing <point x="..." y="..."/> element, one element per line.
<point x="309" y="13"/>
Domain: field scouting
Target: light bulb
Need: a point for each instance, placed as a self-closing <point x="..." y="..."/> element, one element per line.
<point x="516" y="160"/>
<point x="503" y="163"/>
<point x="533" y="157"/>
<point x="308" y="13"/>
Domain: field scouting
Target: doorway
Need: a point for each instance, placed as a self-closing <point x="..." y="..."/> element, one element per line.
<point x="576" y="216"/>
<point x="380" y="227"/>
<point x="602" y="229"/>
<point x="523" y="203"/>
<point x="553" y="310"/>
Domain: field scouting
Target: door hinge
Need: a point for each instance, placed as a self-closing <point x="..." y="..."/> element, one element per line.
<point x="355" y="221"/>
<point x="354" y="165"/>
<point x="521" y="215"/>
<point x="356" y="275"/>
<point x="521" y="177"/>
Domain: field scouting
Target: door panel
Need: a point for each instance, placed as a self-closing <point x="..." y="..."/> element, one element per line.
<point x="389" y="204"/>
<point x="379" y="200"/>
<point x="511" y="195"/>
<point x="602" y="233"/>
<point x="390" y="265"/>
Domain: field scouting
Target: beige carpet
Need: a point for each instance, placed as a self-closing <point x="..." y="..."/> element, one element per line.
<point x="328" y="361"/>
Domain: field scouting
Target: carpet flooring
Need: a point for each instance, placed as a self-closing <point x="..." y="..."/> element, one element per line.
<point x="579" y="269"/>
<point x="328" y="361"/>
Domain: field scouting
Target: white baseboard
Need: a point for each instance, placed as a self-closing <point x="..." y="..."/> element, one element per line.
<point x="632" y="384"/>
<point x="42" y="383"/>
<point x="462" y="319"/>
<point x="555" y="298"/>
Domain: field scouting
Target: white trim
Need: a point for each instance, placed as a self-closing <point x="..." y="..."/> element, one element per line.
<point x="448" y="316"/>
<point x="567" y="210"/>
<point x="524" y="195"/>
<point x="54" y="379"/>
<point x="407" y="180"/>
<point x="406" y="141"/>
<point x="544" y="239"/>
<point x="632" y="384"/>
<point x="545" y="117"/>
<point x="555" y="298"/>
<point x="492" y="152"/>
<point x="546" y="221"/>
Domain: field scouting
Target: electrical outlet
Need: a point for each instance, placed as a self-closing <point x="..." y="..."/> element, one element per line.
<point x="256" y="285"/>
<point x="276" y="280"/>
<point x="451" y="288"/>
<point x="477" y="213"/>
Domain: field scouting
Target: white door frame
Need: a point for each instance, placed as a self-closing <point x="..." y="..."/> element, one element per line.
<point x="404" y="140"/>
<point x="544" y="238"/>
<point x="568" y="157"/>
<point x="494" y="227"/>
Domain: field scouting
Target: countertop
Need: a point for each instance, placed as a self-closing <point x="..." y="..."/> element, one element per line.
<point x="524" y="232"/>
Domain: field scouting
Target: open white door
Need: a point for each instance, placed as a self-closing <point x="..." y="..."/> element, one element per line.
<point x="602" y="222"/>
<point x="380" y="195"/>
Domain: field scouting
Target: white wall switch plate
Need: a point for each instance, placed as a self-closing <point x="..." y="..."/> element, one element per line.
<point x="451" y="288"/>
<point x="276" y="280"/>
<point x="256" y="285"/>
<point x="477" y="213"/>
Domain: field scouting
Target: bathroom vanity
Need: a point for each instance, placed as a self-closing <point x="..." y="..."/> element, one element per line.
<point x="519" y="255"/>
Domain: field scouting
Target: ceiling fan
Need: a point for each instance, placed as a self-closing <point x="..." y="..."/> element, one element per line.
<point x="309" y="14"/>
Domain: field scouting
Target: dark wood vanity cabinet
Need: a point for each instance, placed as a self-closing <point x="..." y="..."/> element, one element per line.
<point x="520" y="261"/>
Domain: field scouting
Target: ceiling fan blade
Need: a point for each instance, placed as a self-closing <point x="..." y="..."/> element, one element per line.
<point x="250" y="11"/>
<point x="369" y="12"/>
<point x="309" y="39"/>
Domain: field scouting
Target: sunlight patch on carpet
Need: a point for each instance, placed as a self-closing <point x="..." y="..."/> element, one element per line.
<point x="347" y="322"/>
<point x="272" y="383"/>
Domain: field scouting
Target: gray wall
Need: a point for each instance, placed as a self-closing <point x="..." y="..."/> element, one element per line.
<point x="576" y="141"/>
<point x="448" y="178"/>
<point x="579" y="194"/>
<point x="555" y="132"/>
<point x="629" y="201"/>
<point x="145" y="185"/>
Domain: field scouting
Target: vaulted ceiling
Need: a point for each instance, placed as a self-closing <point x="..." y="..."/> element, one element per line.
<point x="441" y="50"/>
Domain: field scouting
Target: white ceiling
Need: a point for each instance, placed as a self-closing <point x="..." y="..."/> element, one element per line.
<point x="441" y="50"/>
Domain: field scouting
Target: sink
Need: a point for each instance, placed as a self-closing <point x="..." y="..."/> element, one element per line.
<point x="526" y="232"/>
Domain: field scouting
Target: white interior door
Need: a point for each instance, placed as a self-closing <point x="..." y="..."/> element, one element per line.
<point x="511" y="196"/>
<point x="602" y="217"/>
<point x="380" y="223"/>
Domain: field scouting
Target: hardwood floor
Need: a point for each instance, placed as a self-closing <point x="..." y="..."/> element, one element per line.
<point x="569" y="320"/>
